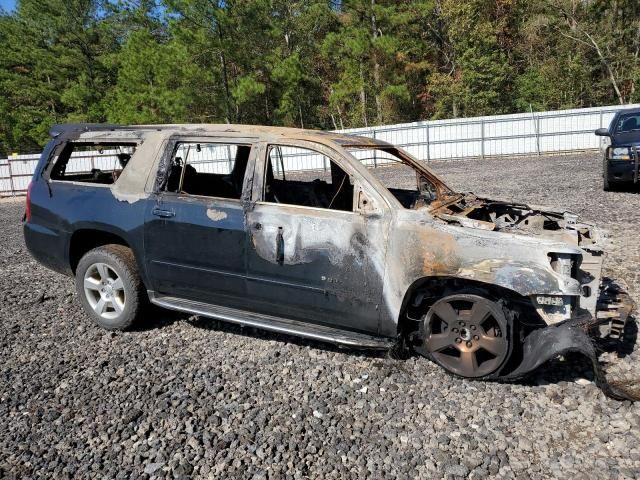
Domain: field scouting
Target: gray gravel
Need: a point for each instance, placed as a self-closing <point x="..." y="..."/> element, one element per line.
<point x="186" y="398"/>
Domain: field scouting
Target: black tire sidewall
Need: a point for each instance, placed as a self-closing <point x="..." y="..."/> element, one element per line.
<point x="605" y="176"/>
<point x="130" y="281"/>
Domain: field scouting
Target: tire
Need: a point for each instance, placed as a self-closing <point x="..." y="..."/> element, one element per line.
<point x="109" y="287"/>
<point x="468" y="335"/>
<point x="606" y="186"/>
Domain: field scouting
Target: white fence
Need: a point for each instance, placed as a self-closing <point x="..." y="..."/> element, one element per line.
<point x="480" y="137"/>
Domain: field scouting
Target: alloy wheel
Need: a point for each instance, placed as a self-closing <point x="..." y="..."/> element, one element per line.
<point x="466" y="334"/>
<point x="104" y="291"/>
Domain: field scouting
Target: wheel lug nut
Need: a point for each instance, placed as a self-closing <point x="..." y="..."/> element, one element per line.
<point x="473" y="327"/>
<point x="455" y="330"/>
<point x="469" y="344"/>
<point x="461" y="323"/>
<point x="458" y="340"/>
<point x="476" y="337"/>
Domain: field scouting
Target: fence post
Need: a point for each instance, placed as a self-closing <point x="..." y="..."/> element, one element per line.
<point x="229" y="160"/>
<point x="482" y="138"/>
<point x="428" y="146"/>
<point x="601" y="117"/>
<point x="375" y="152"/>
<point x="537" y="122"/>
<point x="13" y="191"/>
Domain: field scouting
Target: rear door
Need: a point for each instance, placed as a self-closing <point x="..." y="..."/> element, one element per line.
<point x="195" y="231"/>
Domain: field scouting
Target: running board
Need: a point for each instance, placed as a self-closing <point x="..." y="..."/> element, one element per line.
<point x="273" y="324"/>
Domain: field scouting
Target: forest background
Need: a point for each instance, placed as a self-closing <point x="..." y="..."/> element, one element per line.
<point x="311" y="64"/>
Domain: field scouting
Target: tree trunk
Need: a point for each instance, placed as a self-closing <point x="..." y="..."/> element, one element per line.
<point x="225" y="78"/>
<point x="300" y="111"/>
<point x="340" y="117"/>
<point x="607" y="66"/>
<point x="333" y="120"/>
<point x="376" y="65"/>
<point x="363" y="96"/>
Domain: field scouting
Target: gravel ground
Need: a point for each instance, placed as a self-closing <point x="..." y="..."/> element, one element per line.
<point x="183" y="398"/>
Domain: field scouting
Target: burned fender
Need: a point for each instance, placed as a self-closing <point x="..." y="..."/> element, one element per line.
<point x="524" y="278"/>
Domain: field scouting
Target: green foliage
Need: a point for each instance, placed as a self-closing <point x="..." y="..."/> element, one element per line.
<point x="153" y="84"/>
<point x="307" y="63"/>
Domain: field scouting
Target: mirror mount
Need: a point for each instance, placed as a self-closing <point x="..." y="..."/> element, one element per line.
<point x="602" y="132"/>
<point x="366" y="206"/>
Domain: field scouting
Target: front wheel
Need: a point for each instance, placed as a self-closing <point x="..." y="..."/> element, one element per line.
<point x="109" y="286"/>
<point x="468" y="335"/>
<point x="606" y="183"/>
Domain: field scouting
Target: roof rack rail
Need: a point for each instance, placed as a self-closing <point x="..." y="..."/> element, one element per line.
<point x="84" y="127"/>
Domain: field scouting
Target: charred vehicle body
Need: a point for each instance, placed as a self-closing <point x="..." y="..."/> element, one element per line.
<point x="622" y="154"/>
<point x="291" y="231"/>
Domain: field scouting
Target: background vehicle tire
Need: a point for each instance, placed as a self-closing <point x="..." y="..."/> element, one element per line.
<point x="109" y="286"/>
<point x="468" y="335"/>
<point x="605" y="177"/>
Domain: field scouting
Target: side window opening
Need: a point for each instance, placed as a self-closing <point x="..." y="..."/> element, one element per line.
<point x="92" y="163"/>
<point x="304" y="177"/>
<point x="208" y="169"/>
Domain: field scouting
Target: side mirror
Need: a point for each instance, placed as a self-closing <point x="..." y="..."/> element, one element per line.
<point x="602" y="132"/>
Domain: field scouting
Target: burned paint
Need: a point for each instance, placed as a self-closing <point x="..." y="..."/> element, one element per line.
<point x="216" y="215"/>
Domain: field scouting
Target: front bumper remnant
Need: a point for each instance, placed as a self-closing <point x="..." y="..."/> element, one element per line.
<point x="581" y="336"/>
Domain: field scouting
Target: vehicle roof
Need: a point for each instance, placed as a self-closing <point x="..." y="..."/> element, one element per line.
<point x="626" y="111"/>
<point x="258" y="131"/>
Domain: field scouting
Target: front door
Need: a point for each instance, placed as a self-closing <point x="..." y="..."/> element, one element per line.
<point x="195" y="233"/>
<point x="311" y="255"/>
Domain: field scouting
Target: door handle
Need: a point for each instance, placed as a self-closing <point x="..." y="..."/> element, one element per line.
<point x="159" y="212"/>
<point x="280" y="247"/>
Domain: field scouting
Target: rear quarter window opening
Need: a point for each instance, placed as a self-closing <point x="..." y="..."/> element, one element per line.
<point x="92" y="163"/>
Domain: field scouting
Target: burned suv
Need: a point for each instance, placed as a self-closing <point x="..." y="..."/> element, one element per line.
<point x="327" y="236"/>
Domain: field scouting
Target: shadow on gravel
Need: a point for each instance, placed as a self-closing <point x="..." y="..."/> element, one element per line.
<point x="157" y="318"/>
<point x="567" y="369"/>
<point x="626" y="345"/>
<point x="253" y="332"/>
<point x="625" y="188"/>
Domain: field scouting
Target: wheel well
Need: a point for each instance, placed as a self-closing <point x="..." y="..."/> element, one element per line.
<point x="425" y="292"/>
<point x="87" y="239"/>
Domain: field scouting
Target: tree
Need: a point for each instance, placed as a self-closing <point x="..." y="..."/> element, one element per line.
<point x="307" y="63"/>
<point x="476" y="77"/>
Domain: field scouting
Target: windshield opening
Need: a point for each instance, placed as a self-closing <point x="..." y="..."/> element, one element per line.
<point x="411" y="183"/>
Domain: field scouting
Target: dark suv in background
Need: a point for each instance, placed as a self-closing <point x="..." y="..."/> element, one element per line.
<point x="622" y="155"/>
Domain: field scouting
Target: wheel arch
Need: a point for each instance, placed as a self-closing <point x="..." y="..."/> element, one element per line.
<point x="84" y="239"/>
<point x="423" y="292"/>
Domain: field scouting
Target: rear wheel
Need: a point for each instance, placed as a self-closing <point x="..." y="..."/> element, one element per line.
<point x="109" y="286"/>
<point x="468" y="335"/>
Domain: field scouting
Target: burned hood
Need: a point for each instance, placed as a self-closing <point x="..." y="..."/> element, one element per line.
<point x="468" y="210"/>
